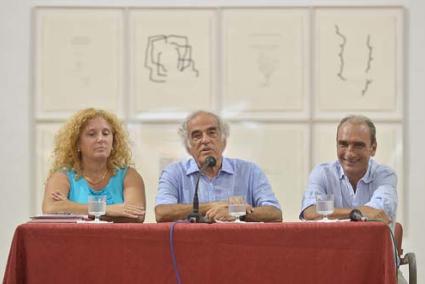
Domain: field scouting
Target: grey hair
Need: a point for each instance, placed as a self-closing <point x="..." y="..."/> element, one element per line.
<point x="223" y="127"/>
<point x="360" y="119"/>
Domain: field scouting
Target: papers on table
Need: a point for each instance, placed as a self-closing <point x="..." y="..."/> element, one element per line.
<point x="58" y="218"/>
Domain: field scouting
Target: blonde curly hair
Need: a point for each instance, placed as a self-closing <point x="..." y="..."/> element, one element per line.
<point x="66" y="155"/>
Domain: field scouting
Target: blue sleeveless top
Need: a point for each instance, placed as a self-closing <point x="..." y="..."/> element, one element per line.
<point x="80" y="189"/>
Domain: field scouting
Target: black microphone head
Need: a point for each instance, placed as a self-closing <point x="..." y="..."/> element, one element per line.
<point x="356" y="215"/>
<point x="210" y="162"/>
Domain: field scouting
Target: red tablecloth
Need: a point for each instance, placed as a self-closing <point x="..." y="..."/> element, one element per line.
<point x="304" y="252"/>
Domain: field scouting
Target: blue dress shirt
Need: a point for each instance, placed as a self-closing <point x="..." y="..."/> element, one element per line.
<point x="377" y="188"/>
<point x="236" y="177"/>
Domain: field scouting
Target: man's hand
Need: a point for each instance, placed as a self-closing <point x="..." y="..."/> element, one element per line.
<point x="372" y="213"/>
<point x="220" y="211"/>
<point x="217" y="211"/>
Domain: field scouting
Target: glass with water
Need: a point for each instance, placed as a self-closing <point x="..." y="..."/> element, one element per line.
<point x="237" y="207"/>
<point x="97" y="206"/>
<point x="325" y="205"/>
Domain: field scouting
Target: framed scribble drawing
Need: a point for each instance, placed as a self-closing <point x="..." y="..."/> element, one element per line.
<point x="171" y="60"/>
<point x="78" y="60"/>
<point x="359" y="61"/>
<point x="265" y="61"/>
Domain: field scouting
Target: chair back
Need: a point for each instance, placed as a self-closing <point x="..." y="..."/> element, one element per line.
<point x="409" y="258"/>
<point x="398" y="235"/>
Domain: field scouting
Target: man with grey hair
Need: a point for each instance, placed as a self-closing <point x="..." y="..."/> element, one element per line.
<point x="204" y="135"/>
<point x="355" y="180"/>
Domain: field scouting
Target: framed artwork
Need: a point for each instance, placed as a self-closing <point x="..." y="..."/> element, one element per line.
<point x="154" y="147"/>
<point x="358" y="62"/>
<point x="45" y="134"/>
<point x="78" y="60"/>
<point x="266" y="62"/>
<point x="171" y="60"/>
<point x="281" y="151"/>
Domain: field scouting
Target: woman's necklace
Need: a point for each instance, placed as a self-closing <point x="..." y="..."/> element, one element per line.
<point x="91" y="181"/>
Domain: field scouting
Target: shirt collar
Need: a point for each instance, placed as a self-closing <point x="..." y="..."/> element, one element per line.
<point x="226" y="166"/>
<point x="191" y="167"/>
<point x="367" y="178"/>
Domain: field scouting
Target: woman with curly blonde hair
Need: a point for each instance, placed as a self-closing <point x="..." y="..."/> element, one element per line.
<point x="92" y="157"/>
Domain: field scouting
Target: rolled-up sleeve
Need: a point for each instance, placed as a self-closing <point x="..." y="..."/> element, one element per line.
<point x="167" y="188"/>
<point x="385" y="195"/>
<point x="315" y="185"/>
<point x="262" y="190"/>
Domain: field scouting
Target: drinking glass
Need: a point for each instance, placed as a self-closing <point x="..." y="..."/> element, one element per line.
<point x="325" y="205"/>
<point x="237" y="207"/>
<point x="97" y="206"/>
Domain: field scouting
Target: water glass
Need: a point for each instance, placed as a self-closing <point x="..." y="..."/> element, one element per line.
<point x="237" y="207"/>
<point x="97" y="206"/>
<point x="324" y="205"/>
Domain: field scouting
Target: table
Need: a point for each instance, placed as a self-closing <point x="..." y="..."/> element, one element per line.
<point x="298" y="252"/>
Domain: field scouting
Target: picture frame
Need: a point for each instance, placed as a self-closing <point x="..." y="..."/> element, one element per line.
<point x="78" y="60"/>
<point x="358" y="59"/>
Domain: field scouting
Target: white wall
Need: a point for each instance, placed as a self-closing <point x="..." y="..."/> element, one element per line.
<point x="16" y="143"/>
<point x="415" y="74"/>
<point x="15" y="119"/>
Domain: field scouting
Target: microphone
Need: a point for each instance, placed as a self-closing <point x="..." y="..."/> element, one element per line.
<point x="356" y="216"/>
<point x="195" y="216"/>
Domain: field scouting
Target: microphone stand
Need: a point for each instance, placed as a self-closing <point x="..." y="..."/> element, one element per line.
<point x="195" y="216"/>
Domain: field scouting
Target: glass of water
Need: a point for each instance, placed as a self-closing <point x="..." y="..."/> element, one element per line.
<point x="237" y="207"/>
<point x="325" y="205"/>
<point x="97" y="206"/>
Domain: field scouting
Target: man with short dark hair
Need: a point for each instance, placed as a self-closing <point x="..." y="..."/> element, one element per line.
<point x="355" y="180"/>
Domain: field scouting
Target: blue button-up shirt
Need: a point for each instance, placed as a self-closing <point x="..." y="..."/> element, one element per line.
<point x="377" y="188"/>
<point x="236" y="177"/>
